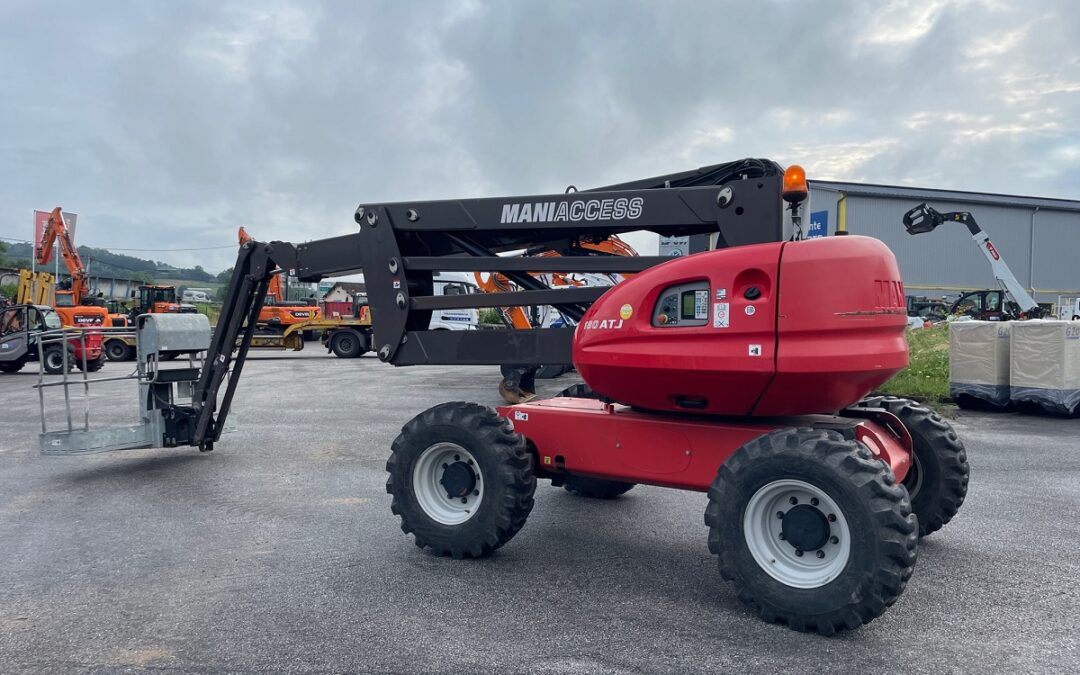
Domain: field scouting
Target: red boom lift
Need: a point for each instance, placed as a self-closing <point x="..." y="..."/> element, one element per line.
<point x="740" y="373"/>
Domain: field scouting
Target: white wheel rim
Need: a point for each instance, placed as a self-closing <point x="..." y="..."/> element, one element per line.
<point x="431" y="494"/>
<point x="763" y="529"/>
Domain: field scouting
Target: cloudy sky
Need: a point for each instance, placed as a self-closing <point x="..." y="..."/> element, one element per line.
<point x="165" y="125"/>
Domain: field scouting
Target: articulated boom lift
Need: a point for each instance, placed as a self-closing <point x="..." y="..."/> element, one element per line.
<point x="738" y="372"/>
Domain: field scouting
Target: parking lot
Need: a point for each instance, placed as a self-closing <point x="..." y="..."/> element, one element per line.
<point x="277" y="552"/>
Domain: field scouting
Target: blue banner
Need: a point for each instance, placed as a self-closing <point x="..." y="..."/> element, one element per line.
<point x="819" y="224"/>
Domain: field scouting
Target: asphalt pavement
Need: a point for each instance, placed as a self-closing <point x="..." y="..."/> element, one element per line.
<point x="277" y="552"/>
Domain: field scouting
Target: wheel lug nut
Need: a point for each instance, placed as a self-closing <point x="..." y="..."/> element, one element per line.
<point x="798" y="552"/>
<point x="834" y="540"/>
<point x="476" y="493"/>
<point x="821" y="554"/>
<point x="832" y="518"/>
<point x="457" y="458"/>
<point x="793" y="501"/>
<point x="779" y="514"/>
<point x="782" y="536"/>
<point x="470" y="462"/>
<point x="464" y="500"/>
<point x="814" y="501"/>
<point x="445" y="465"/>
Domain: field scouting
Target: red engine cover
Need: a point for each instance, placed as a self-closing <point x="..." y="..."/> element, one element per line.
<point x="791" y="328"/>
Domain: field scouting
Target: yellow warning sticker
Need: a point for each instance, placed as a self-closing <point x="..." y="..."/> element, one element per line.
<point x="626" y="311"/>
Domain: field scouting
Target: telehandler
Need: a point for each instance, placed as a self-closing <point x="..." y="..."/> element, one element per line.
<point x="741" y="373"/>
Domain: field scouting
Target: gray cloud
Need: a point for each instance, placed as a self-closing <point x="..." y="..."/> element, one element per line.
<point x="169" y="124"/>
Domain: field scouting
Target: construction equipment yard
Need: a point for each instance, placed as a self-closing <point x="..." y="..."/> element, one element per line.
<point x="276" y="552"/>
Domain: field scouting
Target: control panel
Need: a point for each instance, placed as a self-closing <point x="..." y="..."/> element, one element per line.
<point x="682" y="305"/>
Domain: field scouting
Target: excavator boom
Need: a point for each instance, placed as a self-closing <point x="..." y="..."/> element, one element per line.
<point x="57" y="231"/>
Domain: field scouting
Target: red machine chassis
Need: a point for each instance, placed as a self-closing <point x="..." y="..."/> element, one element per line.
<point x="586" y="437"/>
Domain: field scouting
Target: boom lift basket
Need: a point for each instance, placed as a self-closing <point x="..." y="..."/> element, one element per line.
<point x="162" y="422"/>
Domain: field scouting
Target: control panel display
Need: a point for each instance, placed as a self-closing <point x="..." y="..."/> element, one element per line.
<point x="683" y="305"/>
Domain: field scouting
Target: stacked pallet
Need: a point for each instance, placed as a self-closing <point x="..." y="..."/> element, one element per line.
<point x="979" y="362"/>
<point x="1044" y="365"/>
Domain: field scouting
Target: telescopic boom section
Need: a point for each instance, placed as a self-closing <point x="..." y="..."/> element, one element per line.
<point x="924" y="218"/>
<point x="57" y="230"/>
<point x="400" y="246"/>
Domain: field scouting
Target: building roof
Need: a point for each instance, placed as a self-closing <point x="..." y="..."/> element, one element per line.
<point x="350" y="287"/>
<point x="902" y="192"/>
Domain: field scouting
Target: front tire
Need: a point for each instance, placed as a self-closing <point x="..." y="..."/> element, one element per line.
<point x="811" y="530"/>
<point x="54" y="361"/>
<point x="937" y="481"/>
<point x="462" y="481"/>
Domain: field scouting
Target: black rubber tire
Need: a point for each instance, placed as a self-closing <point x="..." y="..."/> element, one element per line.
<point x="53" y="360"/>
<point x="596" y="488"/>
<point x="877" y="511"/>
<point x="938" y="480"/>
<point x="551" y="372"/>
<point x="93" y="365"/>
<point x="346" y="345"/>
<point x="12" y="366"/>
<point x="506" y="469"/>
<point x="118" y="350"/>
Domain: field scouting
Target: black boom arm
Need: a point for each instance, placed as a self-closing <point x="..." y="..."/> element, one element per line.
<point x="399" y="246"/>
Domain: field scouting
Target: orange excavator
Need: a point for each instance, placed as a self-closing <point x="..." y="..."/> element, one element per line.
<point x="278" y="313"/>
<point x="518" y="317"/>
<point x="73" y="302"/>
<point x="518" y="383"/>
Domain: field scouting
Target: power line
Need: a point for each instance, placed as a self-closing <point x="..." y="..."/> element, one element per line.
<point x="144" y="250"/>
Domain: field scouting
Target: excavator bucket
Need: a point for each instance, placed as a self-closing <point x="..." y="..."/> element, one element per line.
<point x="518" y="384"/>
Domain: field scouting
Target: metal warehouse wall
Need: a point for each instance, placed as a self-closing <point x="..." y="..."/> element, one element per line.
<point x="1041" y="245"/>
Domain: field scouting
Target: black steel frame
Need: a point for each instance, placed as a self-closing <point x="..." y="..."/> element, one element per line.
<point x="400" y="245"/>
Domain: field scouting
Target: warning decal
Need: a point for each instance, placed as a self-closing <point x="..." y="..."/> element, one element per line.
<point x="721" y="315"/>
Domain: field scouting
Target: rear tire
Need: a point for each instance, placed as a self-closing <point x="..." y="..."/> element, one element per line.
<point x="845" y="543"/>
<point x="117" y="350"/>
<point x="93" y="365"/>
<point x="53" y="360"/>
<point x="453" y="452"/>
<point x="346" y="345"/>
<point x="11" y="366"/>
<point x="596" y="488"/>
<point x="938" y="479"/>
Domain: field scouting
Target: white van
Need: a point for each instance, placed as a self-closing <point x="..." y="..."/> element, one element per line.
<point x="196" y="295"/>
<point x="455" y="283"/>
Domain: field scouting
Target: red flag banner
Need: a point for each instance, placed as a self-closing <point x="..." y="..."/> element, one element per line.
<point x="41" y="221"/>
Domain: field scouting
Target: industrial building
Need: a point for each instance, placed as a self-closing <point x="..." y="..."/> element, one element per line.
<point x="1039" y="238"/>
